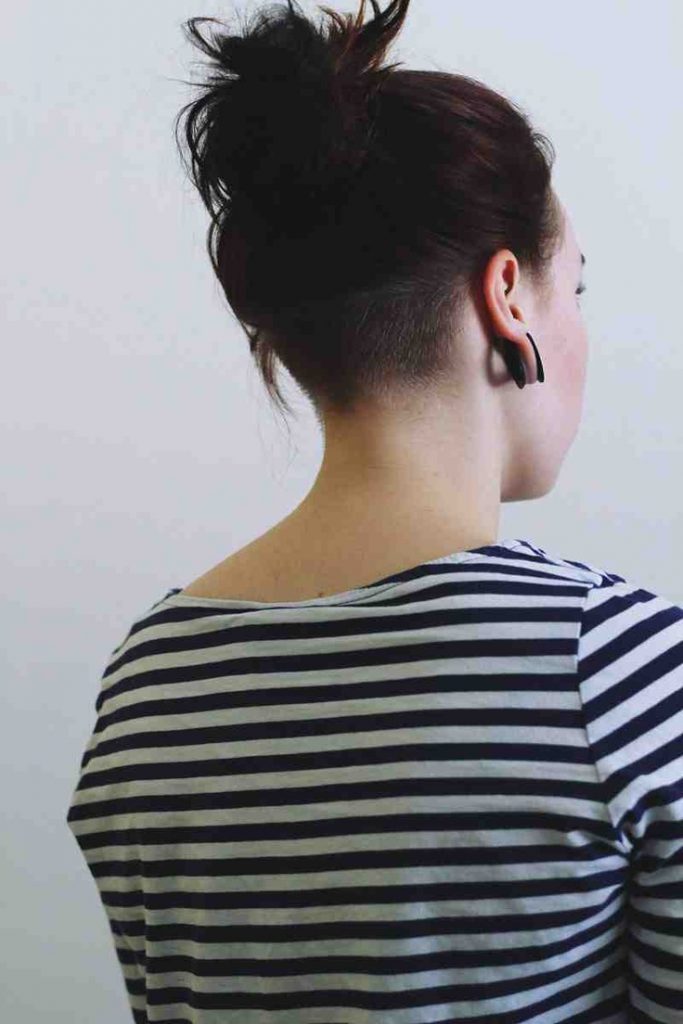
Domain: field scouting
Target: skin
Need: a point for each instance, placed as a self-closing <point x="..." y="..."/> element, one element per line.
<point x="422" y="477"/>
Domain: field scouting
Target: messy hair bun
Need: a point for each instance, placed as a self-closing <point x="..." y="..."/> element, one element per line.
<point x="353" y="205"/>
<point x="288" y="124"/>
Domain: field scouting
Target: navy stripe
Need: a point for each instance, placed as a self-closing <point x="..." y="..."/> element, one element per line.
<point x="454" y="794"/>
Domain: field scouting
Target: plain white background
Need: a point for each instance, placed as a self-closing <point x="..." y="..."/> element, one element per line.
<point x="140" y="448"/>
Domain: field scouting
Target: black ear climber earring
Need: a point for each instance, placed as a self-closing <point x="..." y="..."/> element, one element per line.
<point x="515" y="364"/>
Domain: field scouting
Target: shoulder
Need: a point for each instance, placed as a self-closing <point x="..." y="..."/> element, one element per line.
<point x="239" y="576"/>
<point x="635" y="631"/>
<point x="632" y="629"/>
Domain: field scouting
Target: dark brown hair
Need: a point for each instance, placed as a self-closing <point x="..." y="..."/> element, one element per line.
<point x="354" y="207"/>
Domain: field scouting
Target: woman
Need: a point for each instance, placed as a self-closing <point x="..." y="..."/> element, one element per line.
<point x="378" y="766"/>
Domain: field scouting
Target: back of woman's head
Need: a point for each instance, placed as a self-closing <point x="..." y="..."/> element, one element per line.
<point x="354" y="206"/>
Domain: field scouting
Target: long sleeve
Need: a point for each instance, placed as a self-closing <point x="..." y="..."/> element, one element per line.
<point x="631" y="682"/>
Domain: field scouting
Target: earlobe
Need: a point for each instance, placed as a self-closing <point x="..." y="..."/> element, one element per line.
<point x="513" y="360"/>
<point x="515" y="363"/>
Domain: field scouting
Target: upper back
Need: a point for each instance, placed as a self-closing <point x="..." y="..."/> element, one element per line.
<point x="430" y="798"/>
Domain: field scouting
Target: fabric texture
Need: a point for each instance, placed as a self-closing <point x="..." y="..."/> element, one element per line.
<point x="453" y="795"/>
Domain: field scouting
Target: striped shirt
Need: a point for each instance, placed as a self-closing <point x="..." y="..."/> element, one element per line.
<point x="452" y="795"/>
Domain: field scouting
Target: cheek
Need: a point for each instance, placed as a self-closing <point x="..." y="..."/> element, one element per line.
<point x="575" y="342"/>
<point x="579" y="347"/>
<point x="574" y="368"/>
<point x="564" y="351"/>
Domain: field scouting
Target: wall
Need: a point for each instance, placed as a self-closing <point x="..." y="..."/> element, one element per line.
<point x="139" y="446"/>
